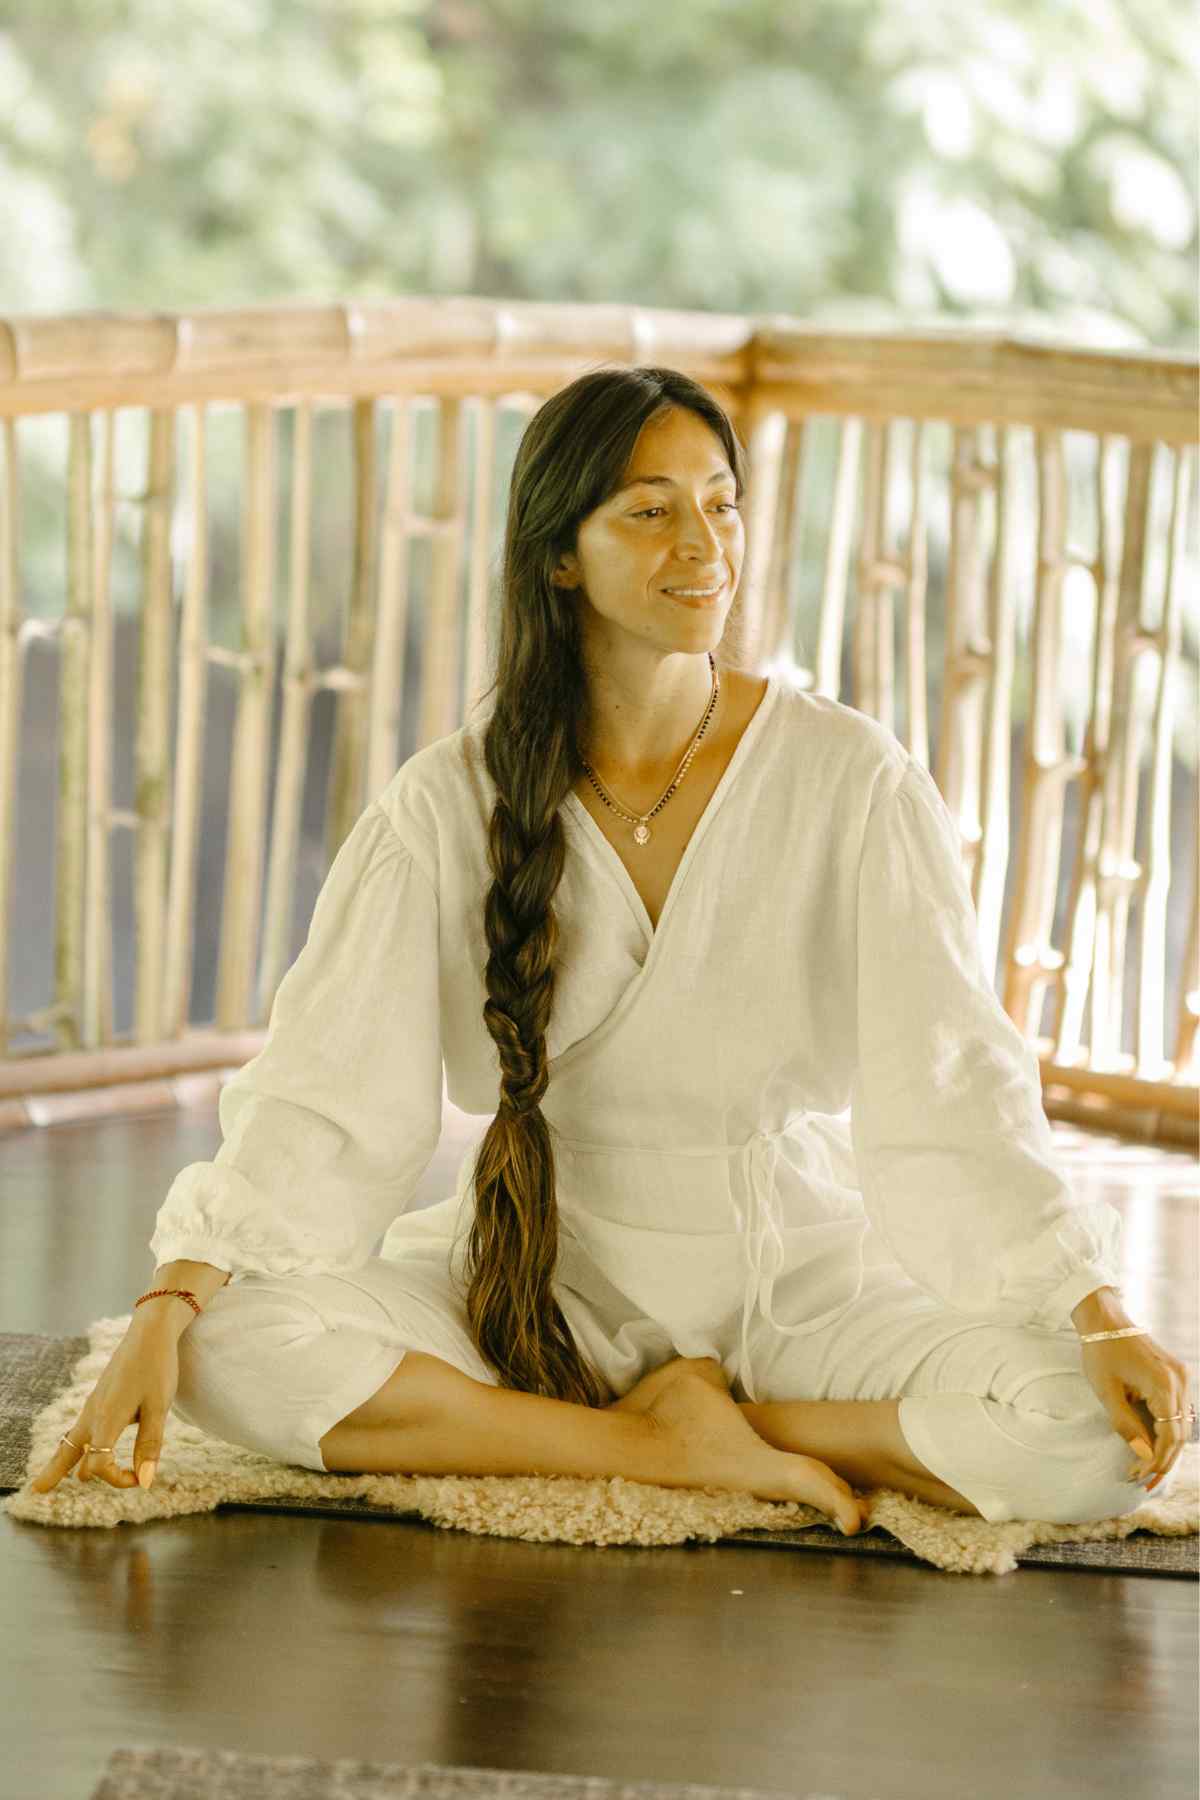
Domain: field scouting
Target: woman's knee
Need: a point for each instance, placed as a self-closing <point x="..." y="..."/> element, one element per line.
<point x="233" y="1357"/>
<point x="420" y="1389"/>
<point x="1062" y="1463"/>
<point x="1089" y="1466"/>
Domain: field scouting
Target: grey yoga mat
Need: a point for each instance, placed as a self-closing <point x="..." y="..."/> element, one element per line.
<point x="137" y="1773"/>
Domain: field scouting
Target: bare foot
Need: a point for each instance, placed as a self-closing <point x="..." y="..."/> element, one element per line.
<point x="641" y="1396"/>
<point x="720" y="1448"/>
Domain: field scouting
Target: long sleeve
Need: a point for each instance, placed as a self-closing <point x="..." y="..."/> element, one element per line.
<point x="327" y="1130"/>
<point x="957" y="1165"/>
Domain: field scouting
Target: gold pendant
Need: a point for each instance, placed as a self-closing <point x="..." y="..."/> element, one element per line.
<point x="641" y="834"/>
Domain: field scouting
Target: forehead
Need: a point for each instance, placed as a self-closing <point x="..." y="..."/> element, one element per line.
<point x="660" y="456"/>
<point x="678" y="433"/>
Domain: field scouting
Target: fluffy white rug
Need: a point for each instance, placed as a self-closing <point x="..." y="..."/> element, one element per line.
<point x="196" y="1473"/>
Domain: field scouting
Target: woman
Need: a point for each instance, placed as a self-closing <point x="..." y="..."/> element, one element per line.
<point x="684" y="916"/>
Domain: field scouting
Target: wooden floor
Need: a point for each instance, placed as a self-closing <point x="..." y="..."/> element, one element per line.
<point x="799" y="1671"/>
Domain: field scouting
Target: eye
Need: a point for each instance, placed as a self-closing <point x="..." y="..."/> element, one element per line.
<point x="730" y="506"/>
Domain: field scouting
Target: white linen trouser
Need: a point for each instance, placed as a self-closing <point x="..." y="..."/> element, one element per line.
<point x="1004" y="1415"/>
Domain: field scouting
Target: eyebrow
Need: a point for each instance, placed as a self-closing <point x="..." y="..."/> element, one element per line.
<point x="666" y="481"/>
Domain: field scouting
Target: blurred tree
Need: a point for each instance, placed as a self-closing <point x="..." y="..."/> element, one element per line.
<point x="1010" y="161"/>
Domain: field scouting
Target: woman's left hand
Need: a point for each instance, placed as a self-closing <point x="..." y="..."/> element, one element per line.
<point x="1122" y="1370"/>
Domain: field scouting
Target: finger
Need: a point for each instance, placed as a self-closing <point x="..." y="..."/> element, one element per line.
<point x="1127" y="1424"/>
<point x="1151" y="1468"/>
<point x="1172" y="1429"/>
<point x="97" y="1463"/>
<point x="1168" y="1431"/>
<point x="1170" y="1446"/>
<point x="1144" y="1418"/>
<point x="147" y="1449"/>
<point x="60" y="1464"/>
<point x="102" y="1465"/>
<point x="1180" y="1430"/>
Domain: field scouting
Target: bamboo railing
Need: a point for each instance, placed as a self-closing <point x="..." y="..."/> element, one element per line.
<point x="822" y="414"/>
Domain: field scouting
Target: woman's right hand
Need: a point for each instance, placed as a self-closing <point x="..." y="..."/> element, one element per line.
<point x="139" y="1383"/>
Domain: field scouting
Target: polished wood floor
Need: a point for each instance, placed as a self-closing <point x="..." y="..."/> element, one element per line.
<point x="804" y="1672"/>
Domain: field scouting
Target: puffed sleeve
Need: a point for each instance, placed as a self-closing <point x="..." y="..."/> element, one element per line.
<point x="327" y="1130"/>
<point x="958" y="1170"/>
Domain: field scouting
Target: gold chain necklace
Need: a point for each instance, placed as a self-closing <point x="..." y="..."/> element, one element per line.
<point x="641" y="828"/>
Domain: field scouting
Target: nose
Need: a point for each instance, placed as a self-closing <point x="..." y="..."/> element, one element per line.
<point x="697" y="533"/>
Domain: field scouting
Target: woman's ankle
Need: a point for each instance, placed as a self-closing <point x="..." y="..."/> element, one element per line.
<point x="860" y="1439"/>
<point x="857" y="1438"/>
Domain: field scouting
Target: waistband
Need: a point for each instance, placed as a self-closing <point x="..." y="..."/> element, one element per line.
<point x="760" y="1228"/>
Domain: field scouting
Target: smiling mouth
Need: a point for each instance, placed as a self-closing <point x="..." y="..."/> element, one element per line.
<point x="695" y="596"/>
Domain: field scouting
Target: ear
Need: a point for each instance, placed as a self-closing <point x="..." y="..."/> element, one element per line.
<point x="566" y="573"/>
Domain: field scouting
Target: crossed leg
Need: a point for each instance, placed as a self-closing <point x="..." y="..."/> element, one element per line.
<point x="860" y="1440"/>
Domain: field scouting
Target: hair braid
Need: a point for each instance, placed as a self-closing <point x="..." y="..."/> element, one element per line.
<point x="570" y="458"/>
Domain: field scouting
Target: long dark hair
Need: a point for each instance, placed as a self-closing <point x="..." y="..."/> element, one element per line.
<point x="571" y="457"/>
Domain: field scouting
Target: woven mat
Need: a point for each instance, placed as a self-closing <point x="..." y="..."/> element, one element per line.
<point x="136" y="1773"/>
<point x="44" y="1382"/>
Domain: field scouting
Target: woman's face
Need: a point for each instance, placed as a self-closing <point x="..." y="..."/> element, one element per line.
<point x="681" y="529"/>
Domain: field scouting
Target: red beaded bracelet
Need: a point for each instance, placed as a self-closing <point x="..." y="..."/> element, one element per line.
<point x="181" y="1293"/>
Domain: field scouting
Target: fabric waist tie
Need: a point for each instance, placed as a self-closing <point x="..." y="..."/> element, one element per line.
<point x="760" y="1233"/>
<point x="762" y="1238"/>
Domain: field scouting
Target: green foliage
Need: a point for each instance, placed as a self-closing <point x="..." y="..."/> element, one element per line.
<point x="875" y="162"/>
<point x="868" y="160"/>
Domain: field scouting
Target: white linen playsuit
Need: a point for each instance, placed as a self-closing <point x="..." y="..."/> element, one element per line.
<point x="793" y="1126"/>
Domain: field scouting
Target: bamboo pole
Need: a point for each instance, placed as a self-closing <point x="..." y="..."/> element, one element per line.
<point x="479" y="570"/>
<point x="389" y="659"/>
<point x="1031" y="961"/>
<point x="968" y="654"/>
<point x="1150" y="995"/>
<point x="998" y="626"/>
<point x="877" y="574"/>
<point x="190" y="731"/>
<point x="968" y="378"/>
<point x="777" y="611"/>
<point x="1187" y="1062"/>
<point x="1118" y="871"/>
<point x="1081" y="928"/>
<point x="915" y="595"/>
<point x="200" y="1048"/>
<point x="348" y="761"/>
<point x="466" y="345"/>
<point x="766" y="433"/>
<point x="440" y="674"/>
<point x="152" y="742"/>
<point x="71" y="834"/>
<point x="300" y="680"/>
<point x="11" y="695"/>
<point x="795" y="649"/>
<point x="252" y="730"/>
<point x="96" y="1026"/>
<point x="836" y="568"/>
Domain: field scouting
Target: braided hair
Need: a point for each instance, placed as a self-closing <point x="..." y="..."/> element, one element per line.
<point x="571" y="457"/>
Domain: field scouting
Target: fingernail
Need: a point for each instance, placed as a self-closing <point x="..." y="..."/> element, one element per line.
<point x="146" y="1474"/>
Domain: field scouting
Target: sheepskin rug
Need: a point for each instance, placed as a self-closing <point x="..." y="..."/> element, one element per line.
<point x="198" y="1473"/>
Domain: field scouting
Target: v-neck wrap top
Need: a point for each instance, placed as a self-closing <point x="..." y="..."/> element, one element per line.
<point x="802" y="1064"/>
